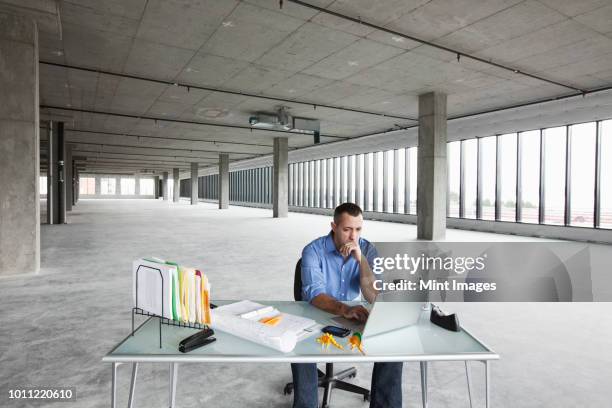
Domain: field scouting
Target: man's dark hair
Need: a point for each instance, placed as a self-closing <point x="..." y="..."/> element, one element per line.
<point x="351" y="209"/>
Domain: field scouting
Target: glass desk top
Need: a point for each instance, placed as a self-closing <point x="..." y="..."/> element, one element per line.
<point x="423" y="341"/>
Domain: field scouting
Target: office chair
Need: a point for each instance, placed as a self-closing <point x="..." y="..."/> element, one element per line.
<point x="328" y="380"/>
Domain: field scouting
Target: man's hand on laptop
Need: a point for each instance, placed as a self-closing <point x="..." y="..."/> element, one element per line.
<point x="358" y="313"/>
<point x="351" y="248"/>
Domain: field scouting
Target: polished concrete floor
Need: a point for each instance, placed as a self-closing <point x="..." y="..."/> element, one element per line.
<point x="57" y="325"/>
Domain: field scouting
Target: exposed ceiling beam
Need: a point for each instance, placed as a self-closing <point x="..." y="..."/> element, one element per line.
<point x="181" y="149"/>
<point x="181" y="139"/>
<point x="189" y="86"/>
<point x="189" y="158"/>
<point x="177" y="163"/>
<point x="458" y="53"/>
<point x="184" y="121"/>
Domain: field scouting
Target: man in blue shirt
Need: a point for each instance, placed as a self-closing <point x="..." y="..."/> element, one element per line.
<point x="337" y="268"/>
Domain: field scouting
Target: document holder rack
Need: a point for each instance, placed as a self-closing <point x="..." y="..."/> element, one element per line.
<point x="162" y="320"/>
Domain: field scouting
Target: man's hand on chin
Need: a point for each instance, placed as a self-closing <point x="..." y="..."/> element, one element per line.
<point x="358" y="313"/>
<point x="351" y="248"/>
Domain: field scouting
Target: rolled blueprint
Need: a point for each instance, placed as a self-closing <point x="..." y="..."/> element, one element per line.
<point x="277" y="338"/>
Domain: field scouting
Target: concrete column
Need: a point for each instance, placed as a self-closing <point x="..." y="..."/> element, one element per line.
<point x="176" y="193"/>
<point x="118" y="185"/>
<point x="52" y="185"/>
<point x="98" y="185"/>
<point x="156" y="187"/>
<point x="280" y="202"/>
<point x="431" y="162"/>
<point x="61" y="174"/>
<point x="137" y="184"/>
<point x="77" y="184"/>
<point x="19" y="146"/>
<point x="69" y="177"/>
<point x="165" y="192"/>
<point x="194" y="183"/>
<point x="224" y="181"/>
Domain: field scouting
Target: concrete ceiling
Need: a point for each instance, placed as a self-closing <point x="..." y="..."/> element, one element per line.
<point x="297" y="53"/>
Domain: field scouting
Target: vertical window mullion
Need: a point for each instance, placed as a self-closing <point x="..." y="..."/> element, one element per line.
<point x="358" y="178"/>
<point x="322" y="202"/>
<point x="330" y="183"/>
<point x="351" y="179"/>
<point x="375" y="185"/>
<point x="407" y="181"/>
<point x="519" y="177"/>
<point x="479" y="178"/>
<point x="316" y="185"/>
<point x="366" y="182"/>
<point x="541" y="212"/>
<point x="386" y="178"/>
<point x="597" y="192"/>
<point x="568" y="186"/>
<point x="462" y="179"/>
<point x="342" y="179"/>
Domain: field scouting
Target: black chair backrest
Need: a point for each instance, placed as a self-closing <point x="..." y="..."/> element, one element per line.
<point x="297" y="281"/>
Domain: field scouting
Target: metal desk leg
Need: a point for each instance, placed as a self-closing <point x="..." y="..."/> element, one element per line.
<point x="133" y="385"/>
<point x="487" y="383"/>
<point x="172" y="391"/>
<point x="424" y="383"/>
<point x="114" y="385"/>
<point x="469" y="382"/>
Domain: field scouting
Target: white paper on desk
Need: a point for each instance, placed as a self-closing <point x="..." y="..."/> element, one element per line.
<point x="241" y="308"/>
<point x="150" y="287"/>
<point x="270" y="336"/>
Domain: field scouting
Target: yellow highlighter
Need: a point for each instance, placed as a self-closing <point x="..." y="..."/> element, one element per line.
<point x="271" y="321"/>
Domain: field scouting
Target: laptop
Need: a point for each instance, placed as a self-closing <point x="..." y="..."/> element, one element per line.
<point x="384" y="317"/>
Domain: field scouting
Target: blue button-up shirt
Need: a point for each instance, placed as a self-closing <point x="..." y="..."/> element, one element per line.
<point x="324" y="269"/>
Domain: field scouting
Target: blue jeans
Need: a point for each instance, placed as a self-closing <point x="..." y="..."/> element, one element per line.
<point x="386" y="390"/>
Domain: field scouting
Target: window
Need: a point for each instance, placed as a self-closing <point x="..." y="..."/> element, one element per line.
<point x="605" y="218"/>
<point x="378" y="162"/>
<point x="359" y="181"/>
<point x="400" y="183"/>
<point x="488" y="153"/>
<point x="87" y="185"/>
<point x="369" y="177"/>
<point x="350" y="195"/>
<point x="343" y="179"/>
<point x="147" y="187"/>
<point x="508" y="176"/>
<point x="582" y="174"/>
<point x="107" y="186"/>
<point x="470" y="167"/>
<point x="42" y="182"/>
<point x="413" y="179"/>
<point x="530" y="176"/>
<point x="170" y="188"/>
<point x="337" y="197"/>
<point x="554" y="175"/>
<point x="388" y="181"/>
<point x="329" y="170"/>
<point x="128" y="186"/>
<point x="454" y="159"/>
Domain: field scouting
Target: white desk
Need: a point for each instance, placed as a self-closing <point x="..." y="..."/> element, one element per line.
<point x="422" y="342"/>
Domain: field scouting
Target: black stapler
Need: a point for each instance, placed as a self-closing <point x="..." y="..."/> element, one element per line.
<point x="448" y="322"/>
<point x="194" y="341"/>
